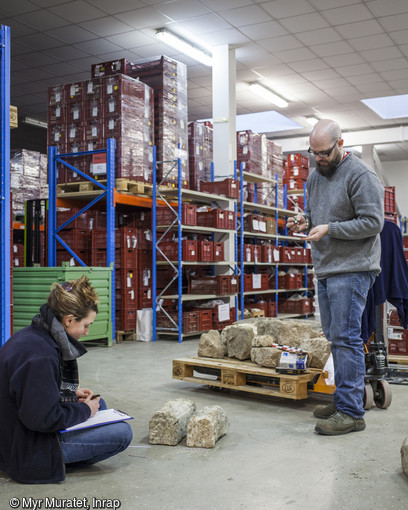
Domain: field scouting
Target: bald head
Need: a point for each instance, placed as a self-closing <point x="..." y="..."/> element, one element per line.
<point x="324" y="133"/>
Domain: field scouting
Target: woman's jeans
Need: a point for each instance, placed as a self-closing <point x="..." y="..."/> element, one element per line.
<point x="342" y="299"/>
<point x="97" y="443"/>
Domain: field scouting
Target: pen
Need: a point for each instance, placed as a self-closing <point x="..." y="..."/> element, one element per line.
<point x="94" y="396"/>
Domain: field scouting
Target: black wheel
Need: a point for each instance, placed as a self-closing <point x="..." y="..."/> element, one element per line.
<point x="368" y="400"/>
<point x="383" y="394"/>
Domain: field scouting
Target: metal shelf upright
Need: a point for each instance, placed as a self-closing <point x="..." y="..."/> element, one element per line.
<point x="168" y="197"/>
<point x="107" y="191"/>
<point x="5" y="266"/>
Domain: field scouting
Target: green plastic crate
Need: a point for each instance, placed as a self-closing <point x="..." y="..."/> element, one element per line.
<point x="31" y="286"/>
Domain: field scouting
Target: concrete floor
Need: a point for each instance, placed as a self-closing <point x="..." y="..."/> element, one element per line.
<point x="271" y="457"/>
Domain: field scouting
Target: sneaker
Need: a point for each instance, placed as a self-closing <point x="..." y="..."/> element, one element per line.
<point x="324" y="412"/>
<point x="339" y="423"/>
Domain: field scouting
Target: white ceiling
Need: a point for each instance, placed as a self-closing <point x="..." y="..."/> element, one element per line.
<point x="324" y="55"/>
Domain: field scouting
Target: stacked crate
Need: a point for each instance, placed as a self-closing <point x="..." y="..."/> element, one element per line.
<point x="296" y="173"/>
<point x="168" y="79"/>
<point x="390" y="210"/>
<point x="77" y="235"/>
<point x="83" y="115"/>
<point x="251" y="152"/>
<point x="200" y="152"/>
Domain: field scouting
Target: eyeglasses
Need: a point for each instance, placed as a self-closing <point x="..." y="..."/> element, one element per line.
<point x="322" y="154"/>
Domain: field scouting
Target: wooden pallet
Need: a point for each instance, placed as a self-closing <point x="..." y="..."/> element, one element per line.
<point x="121" y="185"/>
<point x="244" y="376"/>
<point x="125" y="336"/>
<point x="399" y="360"/>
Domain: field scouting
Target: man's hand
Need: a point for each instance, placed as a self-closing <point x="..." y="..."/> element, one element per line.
<point x="296" y="223"/>
<point x="317" y="233"/>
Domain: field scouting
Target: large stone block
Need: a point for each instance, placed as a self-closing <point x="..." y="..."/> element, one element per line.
<point x="239" y="341"/>
<point x="263" y="341"/>
<point x="211" y="345"/>
<point x="318" y="350"/>
<point x="288" y="332"/>
<point x="169" y="424"/>
<point x="206" y="427"/>
<point x="266" y="356"/>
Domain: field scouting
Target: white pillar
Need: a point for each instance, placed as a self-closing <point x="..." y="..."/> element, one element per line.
<point x="224" y="110"/>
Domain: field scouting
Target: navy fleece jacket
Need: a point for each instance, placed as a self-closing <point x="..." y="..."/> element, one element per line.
<point x="30" y="410"/>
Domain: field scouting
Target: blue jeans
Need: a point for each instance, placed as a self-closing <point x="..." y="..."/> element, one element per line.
<point x="342" y="299"/>
<point x="97" y="443"/>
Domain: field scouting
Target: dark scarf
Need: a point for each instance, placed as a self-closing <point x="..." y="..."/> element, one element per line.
<point x="70" y="350"/>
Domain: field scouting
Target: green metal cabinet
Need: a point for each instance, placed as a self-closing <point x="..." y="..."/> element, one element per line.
<point x="31" y="286"/>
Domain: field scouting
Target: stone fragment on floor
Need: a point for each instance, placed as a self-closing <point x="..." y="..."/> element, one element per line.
<point x="169" y="424"/>
<point x="206" y="427"/>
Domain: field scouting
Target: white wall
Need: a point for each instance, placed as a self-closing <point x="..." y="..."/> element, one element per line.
<point x="396" y="173"/>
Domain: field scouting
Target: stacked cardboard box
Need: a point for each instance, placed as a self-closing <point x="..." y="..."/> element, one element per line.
<point x="168" y="79"/>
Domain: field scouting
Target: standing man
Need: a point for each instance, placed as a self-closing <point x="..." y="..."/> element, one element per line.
<point x="344" y="217"/>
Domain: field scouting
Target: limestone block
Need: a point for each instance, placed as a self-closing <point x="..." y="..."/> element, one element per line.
<point x="206" y="427"/>
<point x="404" y="456"/>
<point x="318" y="350"/>
<point x="266" y="356"/>
<point x="169" y="424"/>
<point x="211" y="345"/>
<point x="263" y="341"/>
<point x="287" y="332"/>
<point x="239" y="341"/>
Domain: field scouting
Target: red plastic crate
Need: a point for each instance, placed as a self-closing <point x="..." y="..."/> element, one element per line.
<point x="190" y="250"/>
<point x="144" y="298"/>
<point x="219" y="252"/>
<point x="272" y="309"/>
<point x="205" y="251"/>
<point x="255" y="223"/>
<point x="189" y="214"/>
<point x="206" y="320"/>
<point x="125" y="299"/>
<point x="228" y="188"/>
<point x="126" y="319"/>
<point x="389" y="199"/>
<point x="215" y="218"/>
<point x="76" y="238"/>
<point x="191" y="322"/>
<point x="297" y="160"/>
<point x="257" y="253"/>
<point x="64" y="256"/>
<point x="294" y="183"/>
<point x="81" y="221"/>
<point x="248" y="252"/>
<point x="295" y="171"/>
<point x="169" y="249"/>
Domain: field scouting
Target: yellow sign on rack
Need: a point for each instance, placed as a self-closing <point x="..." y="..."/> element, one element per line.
<point x="13" y="117"/>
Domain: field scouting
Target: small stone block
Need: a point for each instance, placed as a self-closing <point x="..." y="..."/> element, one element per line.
<point x="169" y="424"/>
<point x="206" y="427"/>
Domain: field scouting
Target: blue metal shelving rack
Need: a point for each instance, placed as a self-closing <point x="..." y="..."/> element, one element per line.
<point x="5" y="183"/>
<point x="107" y="191"/>
<point x="177" y="270"/>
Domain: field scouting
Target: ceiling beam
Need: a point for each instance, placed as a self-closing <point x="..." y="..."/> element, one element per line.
<point x="396" y="134"/>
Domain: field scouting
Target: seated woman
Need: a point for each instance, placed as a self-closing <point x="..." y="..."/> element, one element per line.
<point x="40" y="393"/>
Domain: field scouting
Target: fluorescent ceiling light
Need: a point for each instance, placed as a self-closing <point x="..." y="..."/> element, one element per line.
<point x="184" y="46"/>
<point x="35" y="122"/>
<point x="263" y="122"/>
<point x="389" y="107"/>
<point x="267" y="94"/>
<point x="312" y="120"/>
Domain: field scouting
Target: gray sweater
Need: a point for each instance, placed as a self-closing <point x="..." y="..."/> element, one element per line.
<point x="351" y="202"/>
